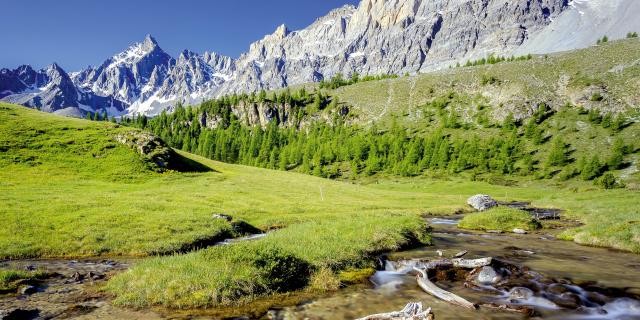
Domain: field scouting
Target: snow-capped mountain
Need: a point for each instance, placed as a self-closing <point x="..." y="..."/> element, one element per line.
<point x="376" y="37"/>
<point x="52" y="90"/>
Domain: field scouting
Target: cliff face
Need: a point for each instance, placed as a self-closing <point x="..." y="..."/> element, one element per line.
<point x="376" y="37"/>
<point x="398" y="36"/>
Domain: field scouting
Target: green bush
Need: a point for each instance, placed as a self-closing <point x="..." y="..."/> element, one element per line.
<point x="608" y="181"/>
<point x="281" y="270"/>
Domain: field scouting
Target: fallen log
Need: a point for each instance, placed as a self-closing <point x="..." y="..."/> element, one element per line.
<point x="472" y="263"/>
<point x="458" y="263"/>
<point x="430" y="288"/>
<point x="412" y="311"/>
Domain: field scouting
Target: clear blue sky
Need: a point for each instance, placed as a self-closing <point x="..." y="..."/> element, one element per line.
<point x="78" y="33"/>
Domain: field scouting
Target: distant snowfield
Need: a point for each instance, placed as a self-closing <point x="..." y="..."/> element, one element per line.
<point x="583" y="24"/>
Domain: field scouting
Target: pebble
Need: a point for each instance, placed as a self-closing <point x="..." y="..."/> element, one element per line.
<point x="519" y="231"/>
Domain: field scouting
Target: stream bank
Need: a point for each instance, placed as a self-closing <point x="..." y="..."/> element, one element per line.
<point x="74" y="290"/>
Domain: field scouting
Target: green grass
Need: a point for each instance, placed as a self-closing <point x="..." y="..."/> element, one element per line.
<point x="67" y="190"/>
<point x="10" y="279"/>
<point x="500" y="219"/>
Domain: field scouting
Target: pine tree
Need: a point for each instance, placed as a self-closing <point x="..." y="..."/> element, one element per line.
<point x="616" y="159"/>
<point x="558" y="154"/>
<point x="591" y="169"/>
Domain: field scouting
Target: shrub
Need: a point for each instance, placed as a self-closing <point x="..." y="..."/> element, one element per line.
<point x="632" y="35"/>
<point x="608" y="181"/>
<point x="281" y="270"/>
<point x="486" y="79"/>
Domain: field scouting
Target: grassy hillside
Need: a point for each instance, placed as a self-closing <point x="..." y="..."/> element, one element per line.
<point x="68" y="189"/>
<point x="567" y="78"/>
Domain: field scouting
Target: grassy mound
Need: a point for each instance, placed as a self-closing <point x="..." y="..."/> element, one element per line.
<point x="10" y="280"/>
<point x="500" y="219"/>
<point x="281" y="262"/>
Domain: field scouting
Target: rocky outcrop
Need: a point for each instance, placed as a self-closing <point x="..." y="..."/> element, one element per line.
<point x="149" y="146"/>
<point x="158" y="152"/>
<point x="482" y="202"/>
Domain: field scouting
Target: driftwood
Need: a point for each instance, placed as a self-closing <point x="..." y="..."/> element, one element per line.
<point x="412" y="311"/>
<point x="457" y="263"/>
<point x="432" y="289"/>
<point x="461" y="254"/>
<point x="423" y="279"/>
<point x="503" y="307"/>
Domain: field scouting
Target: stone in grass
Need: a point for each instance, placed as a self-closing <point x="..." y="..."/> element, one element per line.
<point x="222" y="216"/>
<point x="519" y="231"/>
<point x="482" y="202"/>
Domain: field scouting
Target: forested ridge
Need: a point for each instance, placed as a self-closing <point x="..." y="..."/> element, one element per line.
<point x="335" y="149"/>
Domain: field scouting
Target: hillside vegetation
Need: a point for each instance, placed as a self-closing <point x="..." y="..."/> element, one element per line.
<point x="568" y="116"/>
<point x="67" y="188"/>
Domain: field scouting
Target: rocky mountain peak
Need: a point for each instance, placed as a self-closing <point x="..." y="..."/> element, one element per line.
<point x="149" y="42"/>
<point x="386" y="13"/>
<point x="375" y="37"/>
<point x="281" y="32"/>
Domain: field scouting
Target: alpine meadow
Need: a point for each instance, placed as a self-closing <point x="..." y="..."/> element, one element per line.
<point x="410" y="159"/>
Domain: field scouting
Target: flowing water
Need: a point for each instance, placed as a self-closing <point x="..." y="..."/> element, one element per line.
<point x="605" y="282"/>
<point x="603" y="270"/>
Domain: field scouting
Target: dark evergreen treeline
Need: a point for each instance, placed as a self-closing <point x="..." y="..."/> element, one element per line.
<point x="337" y="150"/>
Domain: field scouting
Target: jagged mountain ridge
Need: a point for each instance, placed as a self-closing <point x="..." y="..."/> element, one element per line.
<point x="376" y="37"/>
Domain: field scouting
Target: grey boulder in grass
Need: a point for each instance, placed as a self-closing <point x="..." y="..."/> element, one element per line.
<point x="482" y="202"/>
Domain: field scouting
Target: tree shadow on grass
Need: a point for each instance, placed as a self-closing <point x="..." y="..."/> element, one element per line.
<point x="181" y="163"/>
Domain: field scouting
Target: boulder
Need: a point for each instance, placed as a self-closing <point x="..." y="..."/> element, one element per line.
<point x="487" y="276"/>
<point x="482" y="202"/>
<point x="520" y="293"/>
<point x="222" y="216"/>
<point x="519" y="231"/>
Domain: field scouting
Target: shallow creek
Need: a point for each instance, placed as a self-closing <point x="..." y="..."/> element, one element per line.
<point x="560" y="260"/>
<point x="73" y="293"/>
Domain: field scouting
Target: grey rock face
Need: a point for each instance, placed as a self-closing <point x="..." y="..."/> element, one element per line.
<point x="403" y="36"/>
<point x="482" y="202"/>
<point x="52" y="90"/>
<point x="390" y="37"/>
<point x="376" y="37"/>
